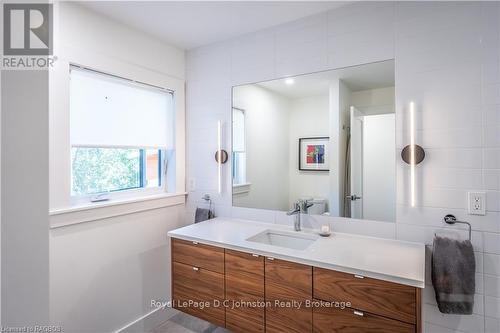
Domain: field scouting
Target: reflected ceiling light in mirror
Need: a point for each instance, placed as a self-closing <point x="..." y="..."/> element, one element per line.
<point x="289" y="81"/>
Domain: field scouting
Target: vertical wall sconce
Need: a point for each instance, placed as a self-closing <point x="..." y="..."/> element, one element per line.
<point x="412" y="154"/>
<point x="221" y="156"/>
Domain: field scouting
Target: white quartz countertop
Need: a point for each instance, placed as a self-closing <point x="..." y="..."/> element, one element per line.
<point x="385" y="259"/>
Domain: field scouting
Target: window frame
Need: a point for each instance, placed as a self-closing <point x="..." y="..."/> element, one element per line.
<point x="75" y="200"/>
<point x="127" y="192"/>
<point x="245" y="182"/>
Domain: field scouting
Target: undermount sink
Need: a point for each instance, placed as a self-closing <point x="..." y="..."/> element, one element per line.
<point x="291" y="240"/>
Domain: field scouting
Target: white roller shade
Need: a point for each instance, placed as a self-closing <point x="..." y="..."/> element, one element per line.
<point x="109" y="111"/>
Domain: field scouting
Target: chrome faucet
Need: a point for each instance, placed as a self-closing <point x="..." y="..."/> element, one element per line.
<point x="299" y="207"/>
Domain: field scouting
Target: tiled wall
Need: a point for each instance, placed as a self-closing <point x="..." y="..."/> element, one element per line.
<point x="447" y="61"/>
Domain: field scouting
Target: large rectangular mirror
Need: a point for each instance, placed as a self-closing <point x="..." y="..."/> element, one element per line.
<point x="325" y="138"/>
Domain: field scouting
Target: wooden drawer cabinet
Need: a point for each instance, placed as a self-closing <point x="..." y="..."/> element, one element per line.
<point x="288" y="282"/>
<point x="375" y="296"/>
<point x="198" y="280"/>
<point x="336" y="320"/>
<point x="218" y="278"/>
<point x="202" y="281"/>
<point x="244" y="276"/>
<point x="198" y="255"/>
<point x="244" y="283"/>
<point x="213" y="313"/>
<point x="280" y="320"/>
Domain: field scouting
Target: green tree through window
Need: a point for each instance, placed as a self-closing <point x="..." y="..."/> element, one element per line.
<point x="96" y="170"/>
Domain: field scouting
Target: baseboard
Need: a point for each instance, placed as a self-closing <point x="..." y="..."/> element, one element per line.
<point x="149" y="321"/>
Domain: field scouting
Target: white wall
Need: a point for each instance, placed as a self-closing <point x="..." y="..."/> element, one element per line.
<point x="25" y="223"/>
<point x="266" y="122"/>
<point x="104" y="273"/>
<point x="309" y="117"/>
<point x="379" y="167"/>
<point x="374" y="101"/>
<point x="447" y="61"/>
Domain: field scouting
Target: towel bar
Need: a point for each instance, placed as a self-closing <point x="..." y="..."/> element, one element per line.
<point x="208" y="200"/>
<point x="451" y="219"/>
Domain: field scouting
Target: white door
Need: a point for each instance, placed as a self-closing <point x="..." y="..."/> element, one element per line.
<point x="356" y="164"/>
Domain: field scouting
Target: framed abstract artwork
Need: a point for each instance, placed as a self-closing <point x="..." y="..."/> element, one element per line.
<point x="314" y="154"/>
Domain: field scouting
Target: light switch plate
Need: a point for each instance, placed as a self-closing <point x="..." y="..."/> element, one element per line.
<point x="477" y="203"/>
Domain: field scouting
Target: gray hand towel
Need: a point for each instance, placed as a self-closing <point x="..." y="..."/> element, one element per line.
<point x="453" y="275"/>
<point x="202" y="214"/>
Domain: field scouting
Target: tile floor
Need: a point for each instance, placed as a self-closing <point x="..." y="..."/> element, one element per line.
<point x="184" y="323"/>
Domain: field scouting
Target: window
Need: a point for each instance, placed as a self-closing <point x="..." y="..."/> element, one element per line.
<point x="239" y="152"/>
<point x="121" y="134"/>
<point x="98" y="170"/>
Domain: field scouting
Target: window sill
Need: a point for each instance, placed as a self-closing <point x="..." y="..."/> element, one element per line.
<point x="101" y="210"/>
<point x="241" y="188"/>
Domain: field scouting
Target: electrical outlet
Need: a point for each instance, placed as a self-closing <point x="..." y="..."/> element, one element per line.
<point x="192" y="184"/>
<point x="477" y="203"/>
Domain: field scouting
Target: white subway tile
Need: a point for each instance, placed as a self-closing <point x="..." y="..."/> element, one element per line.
<point x="361" y="47"/>
<point x="491" y="264"/>
<point x="447" y="61"/>
<point x="491" y="243"/>
<point x="491" y="114"/>
<point x="425" y="18"/>
<point x="309" y="29"/>
<point x="452" y="138"/>
<point x="492" y="325"/>
<point x="454" y="157"/>
<point x="452" y="178"/>
<point x="431" y="328"/>
<point x="253" y="50"/>
<point x="492" y="307"/>
<point x="466" y="323"/>
<point x="301" y="58"/>
<point x="491" y="179"/>
<point x="491" y="158"/>
<point x="492" y="201"/>
<point x="491" y="94"/>
<point x="431" y="216"/>
<point x="492" y="285"/>
<point x="360" y="19"/>
<point x="492" y="135"/>
<point x="260" y="215"/>
<point x="425" y="234"/>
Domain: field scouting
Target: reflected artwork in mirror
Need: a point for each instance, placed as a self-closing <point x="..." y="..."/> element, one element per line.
<point x="325" y="138"/>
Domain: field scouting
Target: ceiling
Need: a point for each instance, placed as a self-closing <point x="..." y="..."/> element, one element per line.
<point x="356" y="78"/>
<point x="191" y="24"/>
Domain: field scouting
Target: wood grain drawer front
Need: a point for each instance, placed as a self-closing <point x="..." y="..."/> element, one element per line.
<point x="378" y="297"/>
<point x="245" y="319"/>
<point x="290" y="320"/>
<point x="286" y="280"/>
<point x="244" y="283"/>
<point x="335" y="320"/>
<point x="214" y="312"/>
<point x="244" y="276"/>
<point x="201" y="281"/>
<point x="288" y="283"/>
<point x="198" y="255"/>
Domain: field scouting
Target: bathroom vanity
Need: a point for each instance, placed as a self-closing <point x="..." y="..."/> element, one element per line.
<point x="259" y="277"/>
